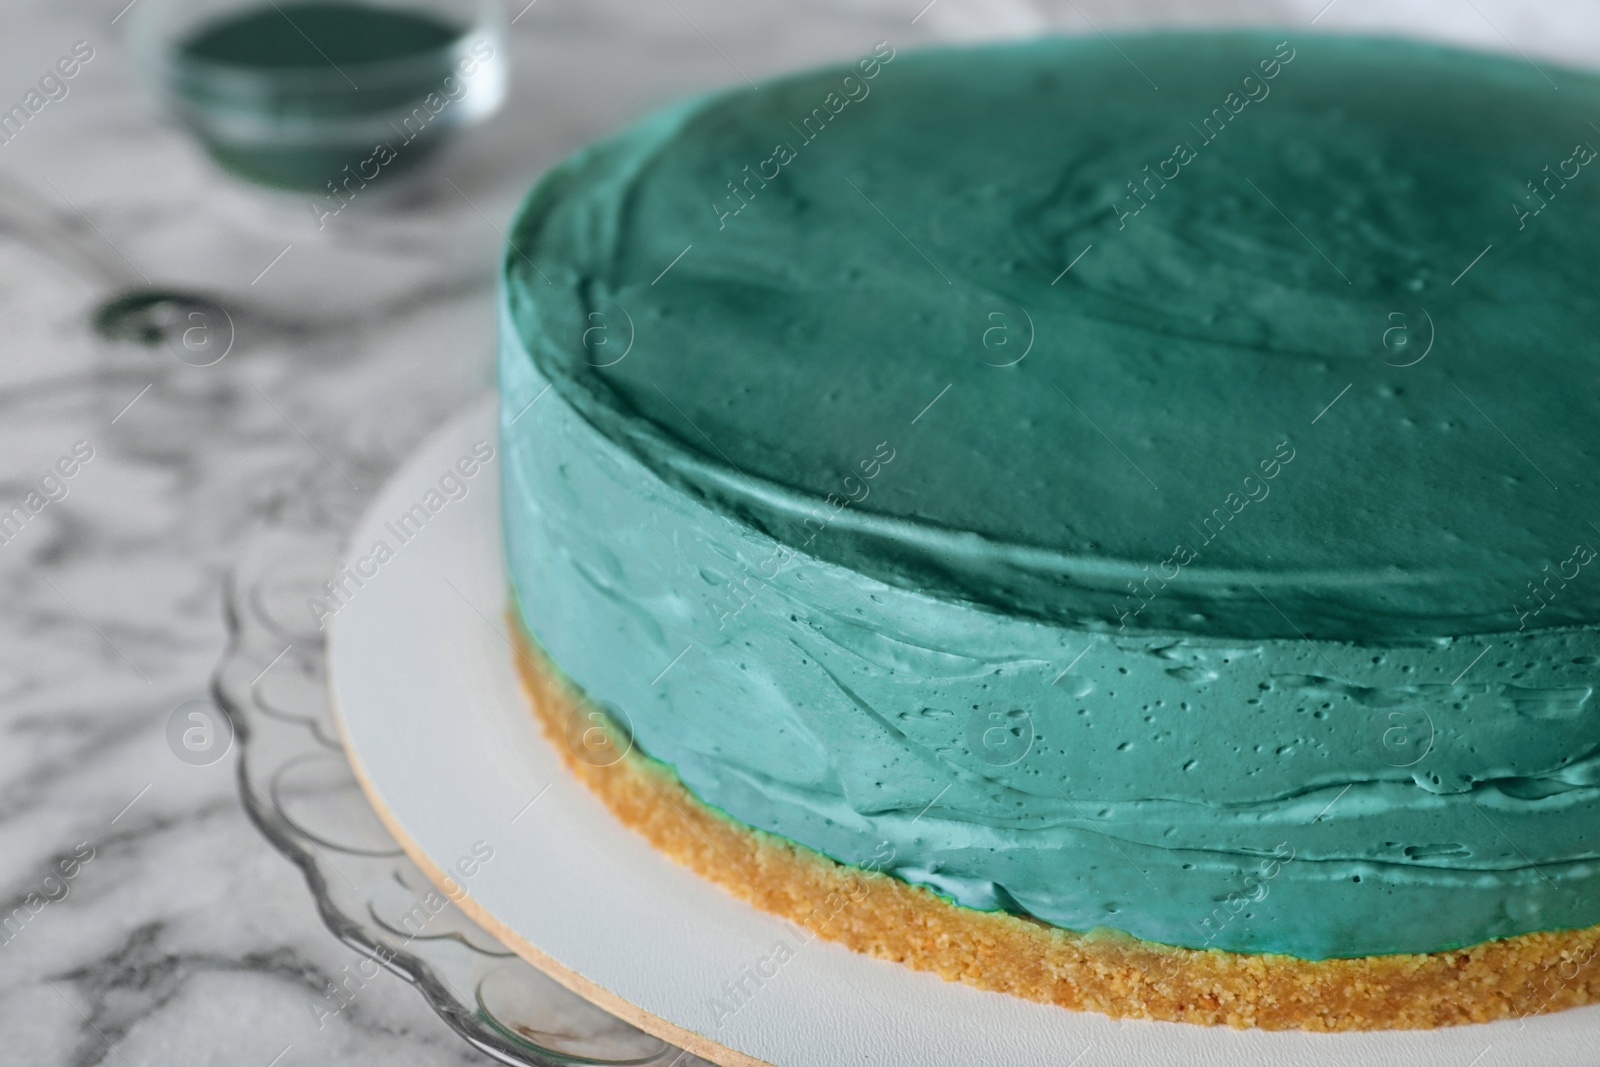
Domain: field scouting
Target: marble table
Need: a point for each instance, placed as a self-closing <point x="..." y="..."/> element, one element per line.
<point x="149" y="923"/>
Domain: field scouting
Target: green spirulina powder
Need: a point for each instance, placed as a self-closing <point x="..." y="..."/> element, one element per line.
<point x="292" y="94"/>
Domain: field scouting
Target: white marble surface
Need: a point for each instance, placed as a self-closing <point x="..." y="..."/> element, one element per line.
<point x="186" y="939"/>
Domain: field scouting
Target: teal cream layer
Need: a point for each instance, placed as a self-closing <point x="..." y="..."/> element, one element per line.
<point x="1129" y="628"/>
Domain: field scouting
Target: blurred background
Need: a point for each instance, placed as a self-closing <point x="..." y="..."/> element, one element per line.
<point x="203" y="332"/>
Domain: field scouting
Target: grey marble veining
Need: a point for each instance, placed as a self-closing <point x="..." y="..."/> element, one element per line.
<point x="179" y="937"/>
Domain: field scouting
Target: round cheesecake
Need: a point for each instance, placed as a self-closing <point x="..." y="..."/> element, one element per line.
<point x="1127" y="501"/>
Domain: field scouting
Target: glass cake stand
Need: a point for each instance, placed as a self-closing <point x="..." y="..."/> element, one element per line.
<point x="299" y="791"/>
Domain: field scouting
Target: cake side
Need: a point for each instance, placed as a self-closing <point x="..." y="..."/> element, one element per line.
<point x="879" y="915"/>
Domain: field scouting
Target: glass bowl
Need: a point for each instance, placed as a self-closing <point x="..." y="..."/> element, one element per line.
<point x="323" y="95"/>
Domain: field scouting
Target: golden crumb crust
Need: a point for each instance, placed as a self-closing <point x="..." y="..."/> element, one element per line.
<point x="1115" y="974"/>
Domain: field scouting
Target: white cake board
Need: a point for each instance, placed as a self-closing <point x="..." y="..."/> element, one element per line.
<point x="443" y="741"/>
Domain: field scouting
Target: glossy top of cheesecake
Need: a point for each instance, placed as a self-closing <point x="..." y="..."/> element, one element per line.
<point x="1268" y="259"/>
